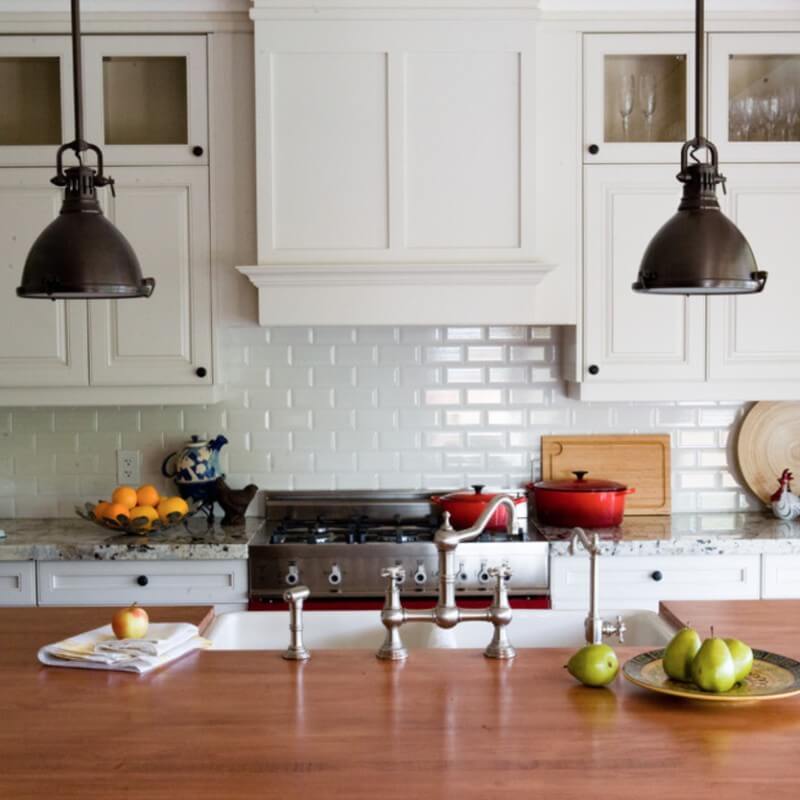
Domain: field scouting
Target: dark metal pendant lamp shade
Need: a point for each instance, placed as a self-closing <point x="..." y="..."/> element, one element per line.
<point x="699" y="250"/>
<point x="80" y="254"/>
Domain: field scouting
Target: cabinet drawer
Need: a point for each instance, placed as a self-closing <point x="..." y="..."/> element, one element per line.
<point x="17" y="583"/>
<point x="631" y="581"/>
<point x="780" y="577"/>
<point x="93" y="583"/>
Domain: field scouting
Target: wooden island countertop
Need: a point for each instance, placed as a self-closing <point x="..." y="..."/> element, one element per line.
<point x="445" y="724"/>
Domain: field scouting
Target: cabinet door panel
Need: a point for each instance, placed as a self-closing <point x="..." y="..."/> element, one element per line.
<point x="756" y="337"/>
<point x="627" y="335"/>
<point x="42" y="343"/>
<point x="162" y="340"/>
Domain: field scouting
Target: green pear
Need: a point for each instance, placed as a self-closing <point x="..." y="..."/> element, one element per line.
<point x="594" y="665"/>
<point x="713" y="669"/>
<point x="742" y="658"/>
<point x="680" y="653"/>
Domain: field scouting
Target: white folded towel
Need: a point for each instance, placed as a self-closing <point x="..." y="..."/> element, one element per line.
<point x="100" y="649"/>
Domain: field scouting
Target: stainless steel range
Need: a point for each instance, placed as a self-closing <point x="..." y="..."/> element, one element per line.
<point x="337" y="543"/>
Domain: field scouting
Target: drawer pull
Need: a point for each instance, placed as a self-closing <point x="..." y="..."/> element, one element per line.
<point x="142" y="580"/>
<point x="657" y="575"/>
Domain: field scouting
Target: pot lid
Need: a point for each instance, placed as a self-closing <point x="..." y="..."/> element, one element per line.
<point x="465" y="496"/>
<point x="580" y="484"/>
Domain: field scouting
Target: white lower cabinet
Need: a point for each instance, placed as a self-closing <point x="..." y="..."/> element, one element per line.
<point x="780" y="577"/>
<point x="643" y="581"/>
<point x="101" y="583"/>
<point x="17" y="583"/>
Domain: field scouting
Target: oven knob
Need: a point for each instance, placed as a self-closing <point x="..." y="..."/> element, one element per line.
<point x="462" y="572"/>
<point x="335" y="575"/>
<point x="420" y="576"/>
<point x="483" y="574"/>
<point x="293" y="575"/>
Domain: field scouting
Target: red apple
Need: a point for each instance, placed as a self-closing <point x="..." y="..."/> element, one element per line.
<point x="130" y="623"/>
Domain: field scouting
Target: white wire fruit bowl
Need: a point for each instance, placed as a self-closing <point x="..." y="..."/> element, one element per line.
<point x="142" y="526"/>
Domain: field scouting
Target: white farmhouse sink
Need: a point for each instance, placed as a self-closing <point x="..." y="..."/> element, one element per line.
<point x="329" y="630"/>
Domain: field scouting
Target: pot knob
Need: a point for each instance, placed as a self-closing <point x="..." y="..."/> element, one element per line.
<point x="478" y="487"/>
<point x="580" y="474"/>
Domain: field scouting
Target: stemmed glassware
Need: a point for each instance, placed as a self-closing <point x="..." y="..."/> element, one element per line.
<point x="647" y="98"/>
<point x="627" y="98"/>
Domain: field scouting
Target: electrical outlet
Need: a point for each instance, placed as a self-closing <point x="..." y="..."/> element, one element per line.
<point x="128" y="472"/>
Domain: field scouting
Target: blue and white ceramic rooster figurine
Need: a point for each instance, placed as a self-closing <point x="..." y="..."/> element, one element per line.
<point x="785" y="504"/>
<point x="195" y="469"/>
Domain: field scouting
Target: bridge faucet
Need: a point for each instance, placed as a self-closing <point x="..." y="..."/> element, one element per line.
<point x="295" y="597"/>
<point x="595" y="627"/>
<point x="446" y="614"/>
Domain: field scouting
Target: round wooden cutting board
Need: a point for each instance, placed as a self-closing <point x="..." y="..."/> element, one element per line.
<point x="769" y="442"/>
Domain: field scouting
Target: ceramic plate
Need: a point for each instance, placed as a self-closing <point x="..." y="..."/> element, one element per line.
<point x="772" y="677"/>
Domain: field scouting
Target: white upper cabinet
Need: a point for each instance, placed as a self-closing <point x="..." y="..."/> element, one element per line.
<point x="42" y="343"/>
<point x="754" y="96"/>
<point x="164" y="340"/>
<point x="628" y="336"/>
<point x="395" y="167"/>
<point x="757" y="337"/>
<point x="146" y="99"/>
<point x="35" y="96"/>
<point x="638" y="97"/>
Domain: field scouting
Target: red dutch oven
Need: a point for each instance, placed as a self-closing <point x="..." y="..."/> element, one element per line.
<point x="580" y="502"/>
<point x="465" y="508"/>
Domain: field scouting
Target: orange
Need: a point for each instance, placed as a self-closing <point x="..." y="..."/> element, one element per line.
<point x="125" y="496"/>
<point x="100" y="509"/>
<point x="114" y="510"/>
<point x="142" y="517"/>
<point x="172" y="505"/>
<point x="147" y="495"/>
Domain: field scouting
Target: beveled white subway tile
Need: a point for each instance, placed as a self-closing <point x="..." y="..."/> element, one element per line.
<point x="507" y="374"/>
<point x="464" y="460"/>
<point x="289" y="377"/>
<point x="400" y="440"/>
<point x="526" y="397"/>
<point x="527" y="353"/>
<point x="71" y="420"/>
<point x="443" y="439"/>
<point x="105" y="442"/>
<point x="684" y="502"/>
<point x="271" y="440"/>
<point x="289" y="420"/>
<point x="637" y="417"/>
<point x="713" y="458"/>
<point x="7" y="466"/>
<point x="420" y="335"/>
<point x="486" y="353"/>
<point x="316" y="482"/>
<point x="543" y="374"/>
<point x="32" y="421"/>
<point x="29" y="506"/>
<point x="268" y="355"/>
<point x="333" y="335"/>
<point x="151" y="442"/>
<point x="289" y="335"/>
<point x="32" y="465"/>
<point x="697" y="480"/>
<point x="442" y="397"/>
<point x="443" y="482"/>
<point x="464" y="375"/>
<point x="464" y="333"/>
<point x="266" y="399"/>
<point x="14" y="487"/>
<point x="311" y="354"/>
<point x="377" y="377"/>
<point x="356" y="355"/>
<point x="292" y="462"/>
<point x="356" y="440"/>
<point x="377" y="419"/>
<point x="676" y="417"/>
<point x="357" y="481"/>
<point x="244" y="376"/>
<point x="718" y="501"/>
<point x="540" y="332"/>
<point x="728" y="481"/>
<point x="421" y="461"/>
<point x="498" y="462"/>
<point x="405" y="481"/>
<point x="485" y="396"/>
<point x="74" y="464"/>
<point x="118" y="420"/>
<point x="378" y="334"/>
<point x="314" y="397"/>
<point x="208" y="421"/>
<point x="313" y="441"/>
<point x="253" y="461"/>
<point x="333" y="377"/>
<point x="509" y="418"/>
<point x="269" y="481"/>
<point x="508" y="333"/>
<point x="334" y="419"/>
<point x="356" y="397"/>
<point x="419" y="418"/>
<point x="684" y="458"/>
<point x="242" y="335"/>
<point x="249" y="421"/>
<point x="444" y="354"/>
<point x="491" y="480"/>
<point x="399" y="354"/>
<point x="45" y="443"/>
<point x="696" y="438"/>
<point x="526" y="439"/>
<point x="462" y="417"/>
<point x="591" y="418"/>
<point x="8" y="509"/>
<point x="159" y="419"/>
<point x="377" y="461"/>
<point x="335" y="462"/>
<point x="486" y="439"/>
<point x="718" y="417"/>
<point x="420" y="376"/>
<point x="398" y="397"/>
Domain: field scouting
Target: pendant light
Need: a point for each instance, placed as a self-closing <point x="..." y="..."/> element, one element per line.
<point x="699" y="250"/>
<point x="80" y="254"/>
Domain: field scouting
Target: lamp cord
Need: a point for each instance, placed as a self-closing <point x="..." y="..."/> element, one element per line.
<point x="77" y="77"/>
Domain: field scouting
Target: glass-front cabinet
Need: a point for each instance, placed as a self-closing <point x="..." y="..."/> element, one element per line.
<point x="638" y="96"/>
<point x="754" y="96"/>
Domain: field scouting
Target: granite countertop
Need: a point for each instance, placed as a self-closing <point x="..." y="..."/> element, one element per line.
<point x="77" y="540"/>
<point x="688" y="534"/>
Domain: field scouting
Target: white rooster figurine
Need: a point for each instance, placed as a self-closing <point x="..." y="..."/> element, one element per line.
<point x="785" y="504"/>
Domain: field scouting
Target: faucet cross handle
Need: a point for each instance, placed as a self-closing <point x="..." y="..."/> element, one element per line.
<point x="397" y="573"/>
<point x="502" y="572"/>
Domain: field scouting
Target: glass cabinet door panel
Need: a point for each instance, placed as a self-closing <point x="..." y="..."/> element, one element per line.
<point x="30" y="104"/>
<point x="754" y="96"/>
<point x="645" y="98"/>
<point x="144" y="100"/>
<point x="638" y="97"/>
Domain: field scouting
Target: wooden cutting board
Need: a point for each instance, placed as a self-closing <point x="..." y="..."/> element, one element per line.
<point x="768" y="443"/>
<point x="642" y="462"/>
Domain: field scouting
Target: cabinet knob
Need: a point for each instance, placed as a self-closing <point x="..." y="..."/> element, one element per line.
<point x="594" y="149"/>
<point x="197" y="150"/>
<point x="201" y="372"/>
<point x="142" y="580"/>
<point x="657" y="575"/>
<point x="593" y="369"/>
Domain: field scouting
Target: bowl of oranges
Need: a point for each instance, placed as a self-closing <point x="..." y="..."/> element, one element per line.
<point x="141" y="510"/>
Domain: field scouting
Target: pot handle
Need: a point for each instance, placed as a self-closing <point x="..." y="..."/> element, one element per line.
<point x="478" y="487"/>
<point x="630" y="490"/>
<point x="164" y="471"/>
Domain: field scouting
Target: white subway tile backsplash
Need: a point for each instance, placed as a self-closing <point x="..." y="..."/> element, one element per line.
<point x="356" y="408"/>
